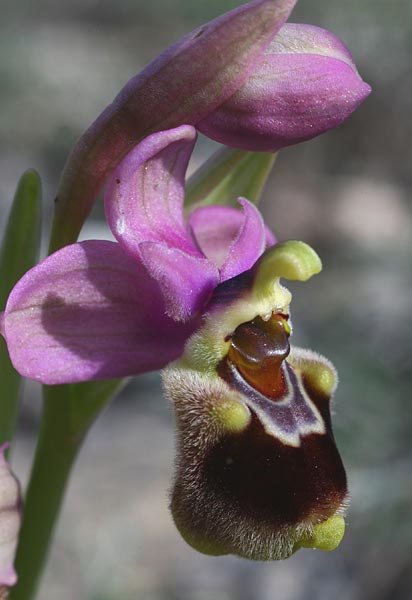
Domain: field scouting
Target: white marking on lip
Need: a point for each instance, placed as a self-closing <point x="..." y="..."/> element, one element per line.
<point x="273" y="427"/>
<point x="120" y="225"/>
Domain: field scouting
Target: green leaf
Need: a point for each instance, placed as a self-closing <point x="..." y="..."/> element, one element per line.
<point x="227" y="175"/>
<point x="19" y="252"/>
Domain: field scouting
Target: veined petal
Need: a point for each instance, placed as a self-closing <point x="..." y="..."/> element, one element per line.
<point x="248" y="245"/>
<point x="144" y="199"/>
<point x="306" y="84"/>
<point x="89" y="311"/>
<point x="221" y="231"/>
<point x="186" y="281"/>
<point x="215" y="228"/>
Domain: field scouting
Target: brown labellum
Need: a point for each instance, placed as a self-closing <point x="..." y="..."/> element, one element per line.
<point x="258" y="490"/>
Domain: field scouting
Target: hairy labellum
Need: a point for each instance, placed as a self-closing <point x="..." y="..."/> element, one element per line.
<point x="258" y="473"/>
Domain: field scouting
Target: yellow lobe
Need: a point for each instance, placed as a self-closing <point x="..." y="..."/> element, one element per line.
<point x="320" y="376"/>
<point x="326" y="536"/>
<point x="204" y="546"/>
<point x="232" y="416"/>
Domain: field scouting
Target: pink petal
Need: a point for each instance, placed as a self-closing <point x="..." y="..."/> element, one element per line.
<point x="270" y="238"/>
<point x="215" y="228"/>
<point x="230" y="238"/>
<point x="89" y="311"/>
<point x="144" y="198"/>
<point x="144" y="207"/>
<point x="248" y="245"/>
<point x="186" y="281"/>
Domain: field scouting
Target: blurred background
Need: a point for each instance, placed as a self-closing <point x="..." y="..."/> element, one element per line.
<point x="347" y="194"/>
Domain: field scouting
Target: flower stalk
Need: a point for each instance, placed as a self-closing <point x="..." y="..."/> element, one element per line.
<point x="68" y="413"/>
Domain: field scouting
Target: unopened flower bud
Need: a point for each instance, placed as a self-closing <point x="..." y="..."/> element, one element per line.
<point x="306" y="84"/>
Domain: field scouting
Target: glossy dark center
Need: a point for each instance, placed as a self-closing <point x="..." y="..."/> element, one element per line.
<point x="257" y="350"/>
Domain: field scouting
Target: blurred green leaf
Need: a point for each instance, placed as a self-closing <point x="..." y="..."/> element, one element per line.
<point x="19" y="252"/>
<point x="227" y="175"/>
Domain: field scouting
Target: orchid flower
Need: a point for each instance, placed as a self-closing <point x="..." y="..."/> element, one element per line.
<point x="197" y="294"/>
<point x="205" y="293"/>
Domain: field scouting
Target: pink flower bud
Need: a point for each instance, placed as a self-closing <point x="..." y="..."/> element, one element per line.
<point x="306" y="84"/>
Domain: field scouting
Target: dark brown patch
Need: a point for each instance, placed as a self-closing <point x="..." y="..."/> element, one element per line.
<point x="274" y="483"/>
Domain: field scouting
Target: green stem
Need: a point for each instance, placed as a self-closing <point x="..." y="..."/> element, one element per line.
<point x="55" y="454"/>
<point x="68" y="413"/>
